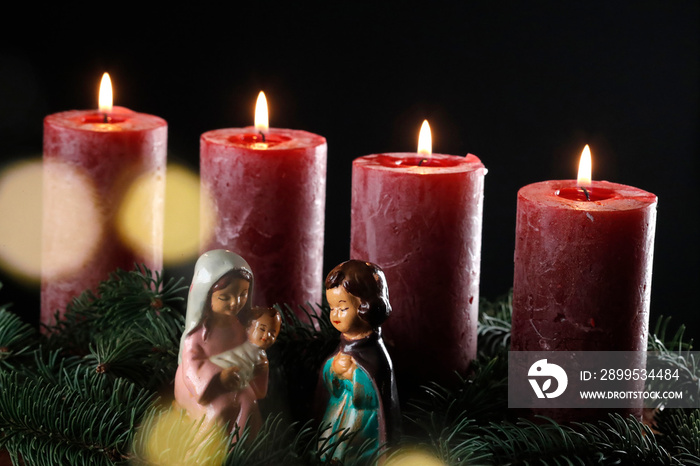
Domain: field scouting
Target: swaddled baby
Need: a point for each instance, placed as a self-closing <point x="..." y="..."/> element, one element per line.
<point x="263" y="327"/>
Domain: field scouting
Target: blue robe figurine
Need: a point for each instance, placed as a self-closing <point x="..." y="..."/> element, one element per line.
<point x="357" y="379"/>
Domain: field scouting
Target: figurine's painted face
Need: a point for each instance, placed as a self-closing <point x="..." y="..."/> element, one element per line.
<point x="230" y="300"/>
<point x="263" y="331"/>
<point x="344" y="316"/>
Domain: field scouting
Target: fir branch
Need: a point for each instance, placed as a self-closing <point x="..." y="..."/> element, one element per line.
<point x="122" y="303"/>
<point x="525" y="442"/>
<point x="627" y="441"/>
<point x="329" y="442"/>
<point x="17" y="339"/>
<point x="673" y="354"/>
<point x="48" y="365"/>
<point x="278" y="443"/>
<point x="315" y="330"/>
<point x="679" y="431"/>
<point x="493" y="331"/>
<point x="74" y="402"/>
<point x="162" y="337"/>
<point x="75" y="420"/>
<point x="131" y="328"/>
<point x="117" y="357"/>
<point x="619" y="441"/>
<point x="454" y="444"/>
<point x="481" y="397"/>
<point x="659" y="341"/>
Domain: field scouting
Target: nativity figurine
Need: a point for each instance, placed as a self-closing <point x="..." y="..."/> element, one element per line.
<point x="219" y="295"/>
<point x="358" y="379"/>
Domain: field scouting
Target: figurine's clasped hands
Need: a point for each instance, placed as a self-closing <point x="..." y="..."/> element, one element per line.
<point x="343" y="365"/>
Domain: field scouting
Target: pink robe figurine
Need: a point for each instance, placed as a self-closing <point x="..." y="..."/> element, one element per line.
<point x="221" y="288"/>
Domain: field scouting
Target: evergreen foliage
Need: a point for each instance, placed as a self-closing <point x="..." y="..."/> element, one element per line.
<point x="94" y="388"/>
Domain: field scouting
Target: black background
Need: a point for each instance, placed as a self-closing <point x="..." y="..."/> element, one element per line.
<point x="523" y="85"/>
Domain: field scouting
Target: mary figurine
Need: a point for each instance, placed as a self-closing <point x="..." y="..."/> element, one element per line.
<point x="221" y="289"/>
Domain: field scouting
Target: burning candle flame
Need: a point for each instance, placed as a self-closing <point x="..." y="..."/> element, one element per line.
<point x="261" y="118"/>
<point x="584" y="169"/>
<point x="105" y="96"/>
<point x="425" y="142"/>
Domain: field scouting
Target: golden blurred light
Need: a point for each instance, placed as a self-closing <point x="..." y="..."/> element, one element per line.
<point x="20" y="224"/>
<point x="413" y="457"/>
<point x="105" y="96"/>
<point x="162" y="218"/>
<point x="182" y="213"/>
<point x="207" y="218"/>
<point x="171" y="437"/>
<point x="261" y="117"/>
<point x="584" y="169"/>
<point x="139" y="218"/>
<point x="425" y="142"/>
<point x="73" y="222"/>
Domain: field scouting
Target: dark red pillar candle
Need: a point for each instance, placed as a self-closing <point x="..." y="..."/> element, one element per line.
<point x="267" y="200"/>
<point x="420" y="220"/>
<point x="582" y="267"/>
<point x="91" y="160"/>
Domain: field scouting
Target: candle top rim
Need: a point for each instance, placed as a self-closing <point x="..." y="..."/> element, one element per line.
<point x="295" y="138"/>
<point x="123" y="118"/>
<point x="457" y="163"/>
<point x="622" y="197"/>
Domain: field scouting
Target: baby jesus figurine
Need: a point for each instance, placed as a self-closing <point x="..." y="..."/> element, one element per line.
<point x="248" y="360"/>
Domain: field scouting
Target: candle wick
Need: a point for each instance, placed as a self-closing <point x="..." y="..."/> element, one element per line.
<point x="262" y="135"/>
<point x="105" y="118"/>
<point x="588" y="196"/>
<point x="420" y="164"/>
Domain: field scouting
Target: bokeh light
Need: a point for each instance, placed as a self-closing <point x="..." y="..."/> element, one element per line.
<point x="171" y="438"/>
<point x="182" y="214"/>
<point x="139" y="219"/>
<point x="176" y="234"/>
<point x="73" y="221"/>
<point x="157" y="213"/>
<point x="413" y="457"/>
<point x="20" y="220"/>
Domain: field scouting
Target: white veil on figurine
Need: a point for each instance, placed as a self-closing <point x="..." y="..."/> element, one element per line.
<point x="210" y="267"/>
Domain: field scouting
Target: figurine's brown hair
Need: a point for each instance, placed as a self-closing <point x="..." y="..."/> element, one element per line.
<point x="365" y="281"/>
<point x="228" y="278"/>
<point x="247" y="316"/>
<point x="220" y="284"/>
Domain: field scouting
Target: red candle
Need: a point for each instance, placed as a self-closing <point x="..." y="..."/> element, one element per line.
<point x="266" y="189"/>
<point x="583" y="261"/>
<point x="418" y="216"/>
<point x="92" y="161"/>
